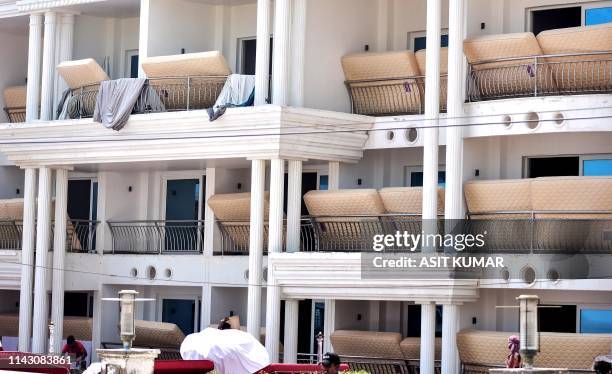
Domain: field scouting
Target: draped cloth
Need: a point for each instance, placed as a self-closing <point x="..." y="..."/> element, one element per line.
<point x="232" y="351"/>
<point x="116" y="100"/>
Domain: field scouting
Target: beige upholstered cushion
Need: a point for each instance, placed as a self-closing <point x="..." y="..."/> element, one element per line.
<point x="572" y="351"/>
<point x="186" y="65"/>
<point x="367" y="343"/>
<point x="382" y="65"/>
<point x="572" y="193"/>
<point x="407" y="199"/>
<point x="235" y="206"/>
<point x="344" y="202"/>
<point x="11" y="209"/>
<point x="79" y="327"/>
<point x="234" y="321"/>
<point x="157" y="334"/>
<point x="81" y="73"/>
<point x="490" y="47"/>
<point x="576" y="39"/>
<point x="15" y="97"/>
<point x="498" y="195"/>
<point x="411" y="348"/>
<point x="421" y="60"/>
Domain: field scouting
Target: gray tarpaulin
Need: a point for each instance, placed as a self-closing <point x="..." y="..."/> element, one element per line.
<point x="116" y="100"/>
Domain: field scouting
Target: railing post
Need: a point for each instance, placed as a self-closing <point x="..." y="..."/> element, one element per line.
<point x="80" y="102"/>
<point x="161" y="237"/>
<point x="535" y="74"/>
<point x="188" y="91"/>
<point x="532" y="231"/>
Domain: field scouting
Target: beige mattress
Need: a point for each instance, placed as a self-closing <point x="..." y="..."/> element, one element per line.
<point x="344" y="202"/>
<point x="15" y="97"/>
<point x="572" y="193"/>
<point x="186" y="65"/>
<point x="411" y="348"/>
<point x="498" y="195"/>
<point x="81" y="73"/>
<point x="421" y="61"/>
<point x="579" y="73"/>
<point x="392" y="93"/>
<point x="79" y="327"/>
<point x="367" y="343"/>
<point x="157" y="334"/>
<point x="490" y="47"/>
<point x="407" y="199"/>
<point x="235" y="206"/>
<point x="572" y="351"/>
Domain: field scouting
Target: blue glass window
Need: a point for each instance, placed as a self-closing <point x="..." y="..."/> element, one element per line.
<point x="597" y="167"/>
<point x="416" y="179"/>
<point x="597" y="16"/>
<point x="323" y="182"/>
<point x="596" y="321"/>
<point x="421" y="42"/>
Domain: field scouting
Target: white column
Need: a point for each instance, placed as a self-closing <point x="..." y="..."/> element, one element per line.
<point x="48" y="67"/>
<point x="383" y="26"/>
<point x="281" y="53"/>
<point x="96" y="333"/>
<point x="329" y="324"/>
<point x="206" y="313"/>
<point x="292" y="309"/>
<point x="27" y="260"/>
<point x="258" y="176"/>
<point x="59" y="252"/>
<point x="209" y="216"/>
<point x="453" y="201"/>
<point x="275" y="245"/>
<point x="294" y="205"/>
<point x="333" y="178"/>
<point x="432" y="111"/>
<point x="450" y="356"/>
<point x="65" y="37"/>
<point x="143" y="36"/>
<point x="262" y="54"/>
<point x="43" y="236"/>
<point x="298" y="47"/>
<point x="428" y="337"/>
<point x="34" y="66"/>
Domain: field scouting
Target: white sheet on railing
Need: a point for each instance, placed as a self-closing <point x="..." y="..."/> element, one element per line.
<point x="232" y="351"/>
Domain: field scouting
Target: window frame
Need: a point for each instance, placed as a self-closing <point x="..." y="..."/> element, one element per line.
<point x="583" y="8"/>
<point x="581" y="159"/>
<point x="419" y="34"/>
<point x="409" y="169"/>
<point x="579" y="309"/>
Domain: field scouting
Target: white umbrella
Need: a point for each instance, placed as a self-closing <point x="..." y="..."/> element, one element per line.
<point x="232" y="351"/>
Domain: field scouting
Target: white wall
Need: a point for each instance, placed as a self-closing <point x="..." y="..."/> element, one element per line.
<point x="180" y="24"/>
<point x="13" y="69"/>
<point x="243" y="24"/>
<point x="99" y="37"/>
<point x="11" y="180"/>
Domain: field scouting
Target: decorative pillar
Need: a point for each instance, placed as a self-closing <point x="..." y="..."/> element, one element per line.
<point x="27" y="260"/>
<point x="428" y="337"/>
<point x="96" y="333"/>
<point x="294" y="205"/>
<point x="48" y="68"/>
<point x="275" y="245"/>
<point x="333" y="178"/>
<point x="258" y="176"/>
<point x="432" y="111"/>
<point x="43" y="236"/>
<point x="281" y="52"/>
<point x="450" y="356"/>
<point x="65" y="36"/>
<point x="262" y="53"/>
<point x="383" y="26"/>
<point x="292" y="309"/>
<point x="453" y="202"/>
<point x="329" y="324"/>
<point x="298" y="47"/>
<point x="34" y="66"/>
<point x="209" y="215"/>
<point x="59" y="252"/>
<point x="143" y="36"/>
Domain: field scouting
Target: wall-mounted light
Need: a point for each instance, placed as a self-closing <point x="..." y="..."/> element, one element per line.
<point x="359" y="182"/>
<point x="130" y="188"/>
<point x="17" y="191"/>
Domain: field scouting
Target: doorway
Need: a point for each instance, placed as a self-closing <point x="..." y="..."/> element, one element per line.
<point x="180" y="312"/>
<point x="556" y="18"/>
<point x="553" y="166"/>
<point x="182" y="214"/>
<point x="82" y="207"/>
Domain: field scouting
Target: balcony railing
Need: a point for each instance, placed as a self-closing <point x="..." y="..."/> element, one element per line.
<point x="80" y="235"/>
<point x="158" y="95"/>
<point x="544" y="75"/>
<point x="156" y="237"/>
<point x="16" y="114"/>
<point x="386" y="97"/>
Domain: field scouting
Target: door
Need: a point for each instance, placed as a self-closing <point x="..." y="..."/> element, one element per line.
<point x="182" y="212"/>
<point x="83" y="207"/>
<point x="180" y="312"/>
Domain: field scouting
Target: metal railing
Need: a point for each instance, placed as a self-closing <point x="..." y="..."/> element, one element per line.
<point x="80" y="235"/>
<point x="542" y="75"/>
<point x="235" y="237"/>
<point x="156" y="237"/>
<point x="16" y="114"/>
<point x="470" y="368"/>
<point x="396" y="96"/>
<point x="158" y="95"/>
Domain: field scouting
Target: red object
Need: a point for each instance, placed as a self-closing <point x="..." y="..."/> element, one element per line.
<point x="183" y="366"/>
<point x="77" y="349"/>
<point x="8" y="361"/>
<point x="298" y="369"/>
